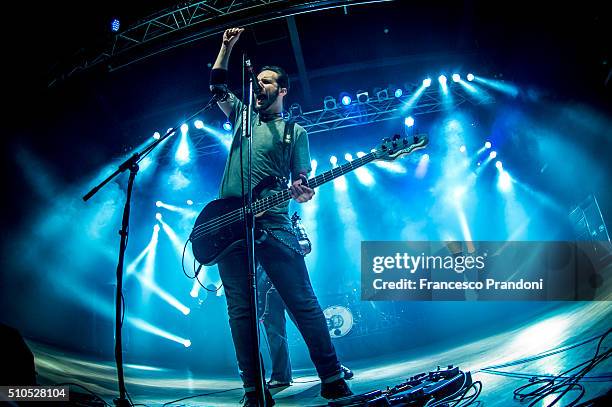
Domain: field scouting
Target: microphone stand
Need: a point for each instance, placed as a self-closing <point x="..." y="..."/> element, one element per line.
<point x="131" y="164"/>
<point x="249" y="217"/>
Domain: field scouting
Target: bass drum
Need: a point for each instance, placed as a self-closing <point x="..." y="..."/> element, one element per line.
<point x="339" y="320"/>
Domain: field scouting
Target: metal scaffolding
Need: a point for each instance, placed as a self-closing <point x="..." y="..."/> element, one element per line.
<point x="359" y="114"/>
<point x="377" y="110"/>
<point x="190" y="22"/>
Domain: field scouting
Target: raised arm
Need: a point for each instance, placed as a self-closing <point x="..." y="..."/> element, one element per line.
<point x="219" y="73"/>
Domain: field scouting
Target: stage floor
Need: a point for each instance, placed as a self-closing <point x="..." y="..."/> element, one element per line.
<point x="568" y="325"/>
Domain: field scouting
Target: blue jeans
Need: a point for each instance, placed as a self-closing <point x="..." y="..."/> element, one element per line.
<point x="280" y="257"/>
<point x="272" y="312"/>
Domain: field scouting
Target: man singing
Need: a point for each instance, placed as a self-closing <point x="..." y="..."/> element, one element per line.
<point x="279" y="153"/>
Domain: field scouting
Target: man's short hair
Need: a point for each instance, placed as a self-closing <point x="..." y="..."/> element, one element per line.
<point x="283" y="78"/>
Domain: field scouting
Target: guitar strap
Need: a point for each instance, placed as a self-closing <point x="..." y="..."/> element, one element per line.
<point x="288" y="140"/>
<point x="288" y="133"/>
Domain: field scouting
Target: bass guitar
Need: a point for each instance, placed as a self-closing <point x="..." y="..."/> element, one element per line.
<point x="220" y="225"/>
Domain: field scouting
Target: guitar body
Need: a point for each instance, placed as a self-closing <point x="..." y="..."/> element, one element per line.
<point x="219" y="227"/>
<point x="210" y="248"/>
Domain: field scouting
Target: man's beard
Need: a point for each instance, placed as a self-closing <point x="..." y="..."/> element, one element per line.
<point x="268" y="102"/>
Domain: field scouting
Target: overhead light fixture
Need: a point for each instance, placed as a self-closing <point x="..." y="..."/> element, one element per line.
<point x="362" y="97"/>
<point x="329" y="103"/>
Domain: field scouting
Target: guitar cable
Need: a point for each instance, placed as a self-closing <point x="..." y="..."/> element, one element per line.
<point x="196" y="271"/>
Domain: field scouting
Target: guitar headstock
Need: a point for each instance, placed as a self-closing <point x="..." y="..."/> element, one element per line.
<point x="397" y="146"/>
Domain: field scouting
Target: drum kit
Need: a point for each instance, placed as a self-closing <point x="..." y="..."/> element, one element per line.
<point x="339" y="320"/>
<point x="347" y="314"/>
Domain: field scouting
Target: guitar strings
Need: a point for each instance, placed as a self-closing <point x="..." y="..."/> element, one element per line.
<point x="260" y="205"/>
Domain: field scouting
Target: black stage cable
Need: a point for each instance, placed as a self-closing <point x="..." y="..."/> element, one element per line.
<point x="84" y="388"/>
<point x="595" y="378"/>
<point x="544" y="354"/>
<point x="433" y="402"/>
<point x="465" y="399"/>
<point x="599" y="401"/>
<point x="196" y="272"/>
<point x="122" y="309"/>
<point x="201" y="395"/>
<point x="551" y="386"/>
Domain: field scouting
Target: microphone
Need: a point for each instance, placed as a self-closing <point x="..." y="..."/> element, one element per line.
<point x="256" y="86"/>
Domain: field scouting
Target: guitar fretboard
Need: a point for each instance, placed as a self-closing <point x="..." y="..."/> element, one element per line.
<point x="263" y="204"/>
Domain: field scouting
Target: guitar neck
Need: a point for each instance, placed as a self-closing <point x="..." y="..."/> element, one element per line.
<point x="268" y="202"/>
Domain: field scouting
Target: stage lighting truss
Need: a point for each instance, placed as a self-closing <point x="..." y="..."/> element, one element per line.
<point x="186" y="23"/>
<point x="380" y="109"/>
<point x="381" y="94"/>
<point x="335" y="116"/>
<point x="295" y="110"/>
<point x="363" y="97"/>
<point x="329" y="103"/>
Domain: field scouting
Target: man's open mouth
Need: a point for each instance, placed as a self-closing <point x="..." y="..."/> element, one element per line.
<point x="261" y="97"/>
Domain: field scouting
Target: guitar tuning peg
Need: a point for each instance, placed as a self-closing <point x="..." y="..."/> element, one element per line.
<point x="396" y="137"/>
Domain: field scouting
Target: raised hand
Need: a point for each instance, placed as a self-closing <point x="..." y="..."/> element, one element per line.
<point x="230" y="36"/>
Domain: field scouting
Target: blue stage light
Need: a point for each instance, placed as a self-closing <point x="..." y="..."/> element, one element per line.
<point x="504" y="183"/>
<point x="346" y="100"/>
<point x="182" y="154"/>
<point x="198" y="124"/>
<point x="488" y="144"/>
<point x="187" y="343"/>
<point x="398" y="92"/>
<point x="189" y="202"/>
<point x="156" y="228"/>
<point x="158" y="216"/>
<point x="422" y="166"/>
<point x="444" y="86"/>
<point x="499" y="165"/>
<point x="493" y="154"/>
<point x="227" y="126"/>
<point x="427" y="82"/>
<point x="470" y="77"/>
<point x="409" y="121"/>
<point x="156" y="135"/>
<point x="158" y="203"/>
<point x="456" y="77"/>
<point x="115" y="24"/>
<point x="462" y="149"/>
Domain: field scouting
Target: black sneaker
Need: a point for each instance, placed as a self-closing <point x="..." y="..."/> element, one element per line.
<point x="250" y="399"/>
<point x="348" y="373"/>
<point x="335" y="390"/>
